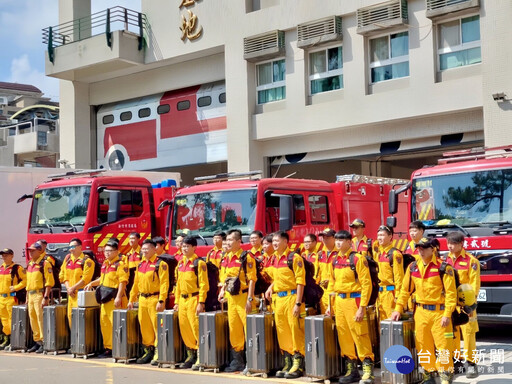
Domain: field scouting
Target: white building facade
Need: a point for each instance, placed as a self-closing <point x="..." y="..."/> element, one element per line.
<point x="309" y="88"/>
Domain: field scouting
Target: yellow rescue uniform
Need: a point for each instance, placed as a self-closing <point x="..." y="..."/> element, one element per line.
<point x="390" y="277"/>
<point x="132" y="260"/>
<point x="290" y="329"/>
<point x="10" y="275"/>
<point x="150" y="286"/>
<point x="351" y="293"/>
<point x="113" y="273"/>
<point x="73" y="270"/>
<point x="312" y="257"/>
<point x="191" y="289"/>
<point x="435" y="299"/>
<point x="468" y="269"/>
<point x="231" y="267"/>
<point x="214" y="256"/>
<point x="39" y="276"/>
<point x="325" y="258"/>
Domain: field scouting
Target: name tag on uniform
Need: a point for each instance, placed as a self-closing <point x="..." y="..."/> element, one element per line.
<point x="434" y="270"/>
<point x="463" y="263"/>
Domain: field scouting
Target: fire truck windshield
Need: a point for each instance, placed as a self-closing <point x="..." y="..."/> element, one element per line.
<point x="60" y="207"/>
<point x="464" y="199"/>
<point x="203" y="214"/>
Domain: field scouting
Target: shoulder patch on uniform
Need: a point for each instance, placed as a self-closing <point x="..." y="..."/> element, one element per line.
<point x="299" y="264"/>
<point x="365" y="262"/>
<point x="203" y="267"/>
<point x="50" y="270"/>
<point x="474" y="266"/>
<point x="249" y="264"/>
<point x="164" y="266"/>
<point x="399" y="259"/>
<point x="125" y="269"/>
<point x="89" y="263"/>
<point x="449" y="271"/>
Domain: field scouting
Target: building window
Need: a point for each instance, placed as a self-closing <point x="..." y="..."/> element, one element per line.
<point x="326" y="70"/>
<point x="163" y="109"/>
<point x="389" y="57"/>
<point x="318" y="209"/>
<point x="125" y="116"/>
<point x="144" y="112"/>
<point x="183" y="105"/>
<point x="270" y="81"/>
<point x="204" y="101"/>
<point x="459" y="43"/>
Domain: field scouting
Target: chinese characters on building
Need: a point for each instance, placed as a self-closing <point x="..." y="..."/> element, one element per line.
<point x="190" y="28"/>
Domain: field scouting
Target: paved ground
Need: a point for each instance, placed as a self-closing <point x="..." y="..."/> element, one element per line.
<point x="30" y="368"/>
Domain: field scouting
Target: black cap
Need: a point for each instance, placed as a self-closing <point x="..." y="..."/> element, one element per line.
<point x="36" y="246"/>
<point x="428" y="243"/>
<point x="328" y="232"/>
<point x="6" y="251"/>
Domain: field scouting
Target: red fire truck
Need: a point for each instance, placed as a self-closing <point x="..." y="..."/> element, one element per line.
<point x="95" y="208"/>
<point x="470" y="191"/>
<point x="220" y="203"/>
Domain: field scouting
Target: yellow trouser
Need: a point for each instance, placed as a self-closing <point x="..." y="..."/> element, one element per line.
<point x="6" y="304"/>
<point x="351" y="332"/>
<point x="324" y="301"/>
<point x="72" y="303"/>
<point x="189" y="321"/>
<point x="386" y="304"/>
<point x="431" y="336"/>
<point x="35" y="312"/>
<point x="107" y="320"/>
<point x="237" y="320"/>
<point x="148" y="320"/>
<point x="290" y="330"/>
<point x="468" y="331"/>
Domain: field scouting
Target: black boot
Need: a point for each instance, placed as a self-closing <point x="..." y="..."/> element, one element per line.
<point x="368" y="376"/>
<point x="428" y="378"/>
<point x="237" y="363"/>
<point x="471" y="370"/>
<point x="287" y="365"/>
<point x="190" y="360"/>
<point x="297" y="369"/>
<point x="148" y="355"/>
<point x="352" y="373"/>
<point x="6" y="342"/>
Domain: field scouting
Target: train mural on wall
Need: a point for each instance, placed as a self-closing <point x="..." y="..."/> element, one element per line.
<point x="180" y="127"/>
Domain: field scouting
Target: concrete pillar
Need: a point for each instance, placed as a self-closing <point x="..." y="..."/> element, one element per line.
<point x="75" y="116"/>
<point x="496" y="70"/>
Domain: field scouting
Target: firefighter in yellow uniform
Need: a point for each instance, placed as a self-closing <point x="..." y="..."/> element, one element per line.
<point x="352" y="294"/>
<point x="110" y="292"/>
<point x="151" y="286"/>
<point x="39" y="285"/>
<point x="191" y="291"/>
<point x="468" y="269"/>
<point x="416" y="231"/>
<point x="132" y="259"/>
<point x="310" y="252"/>
<point x="240" y="299"/>
<point x="325" y="258"/>
<point x="13" y="278"/>
<point x="360" y="240"/>
<point x="256" y="240"/>
<point x="391" y="271"/>
<point x="436" y="298"/>
<point x="76" y="272"/>
<point x="214" y="255"/>
<point x="289" y="309"/>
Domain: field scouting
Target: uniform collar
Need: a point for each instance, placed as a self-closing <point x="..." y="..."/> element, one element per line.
<point x="285" y="253"/>
<point x="38" y="259"/>
<point x="346" y="254"/>
<point x="7" y="266"/>
<point x="462" y="255"/>
<point x="254" y="250"/>
<point x="192" y="258"/>
<point x="151" y="259"/>
<point x="387" y="248"/>
<point x="237" y="254"/>
<point x="116" y="259"/>
<point x="356" y="240"/>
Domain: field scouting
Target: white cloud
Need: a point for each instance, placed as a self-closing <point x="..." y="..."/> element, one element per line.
<point x="23" y="72"/>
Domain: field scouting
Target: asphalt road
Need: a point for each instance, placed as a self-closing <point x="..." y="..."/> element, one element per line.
<point x="22" y="368"/>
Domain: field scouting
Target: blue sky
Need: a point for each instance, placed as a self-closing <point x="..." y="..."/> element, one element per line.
<point x="22" y="54"/>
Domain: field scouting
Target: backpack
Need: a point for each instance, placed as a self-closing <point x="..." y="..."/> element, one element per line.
<point x="407" y="258"/>
<point x="373" y="266"/>
<point x="262" y="284"/>
<point x="21" y="295"/>
<point x="312" y="291"/>
<point x="172" y="263"/>
<point x="55" y="270"/>
<point x="212" y="300"/>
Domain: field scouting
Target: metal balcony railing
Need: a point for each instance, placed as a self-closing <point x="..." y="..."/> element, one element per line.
<point x="112" y="19"/>
<point x="435" y="4"/>
<point x="43" y="127"/>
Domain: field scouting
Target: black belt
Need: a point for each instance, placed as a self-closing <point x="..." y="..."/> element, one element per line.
<point x="146" y="295"/>
<point x="33" y="291"/>
<point x="431" y="307"/>
<point x="242" y="291"/>
<point x="187" y="295"/>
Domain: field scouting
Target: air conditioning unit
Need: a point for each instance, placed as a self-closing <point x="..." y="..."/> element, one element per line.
<point x="382" y="16"/>
<point x="319" y="32"/>
<point x="265" y="46"/>
<point x="437" y="8"/>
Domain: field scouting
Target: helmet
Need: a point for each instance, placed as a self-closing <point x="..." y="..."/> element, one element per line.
<point x="466" y="298"/>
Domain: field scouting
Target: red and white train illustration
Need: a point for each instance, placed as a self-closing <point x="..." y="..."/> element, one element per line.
<point x="180" y="127"/>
